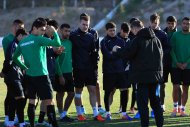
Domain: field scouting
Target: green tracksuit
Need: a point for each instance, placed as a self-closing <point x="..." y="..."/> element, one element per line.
<point x="65" y="59"/>
<point x="6" y="41"/>
<point x="180" y="52"/>
<point x="33" y="50"/>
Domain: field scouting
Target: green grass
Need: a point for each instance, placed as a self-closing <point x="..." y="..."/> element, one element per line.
<point x="116" y="122"/>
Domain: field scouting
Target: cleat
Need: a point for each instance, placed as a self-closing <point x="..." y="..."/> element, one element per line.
<point x="27" y="125"/>
<point x="6" y="123"/>
<point x="179" y="110"/>
<point x="108" y="117"/>
<point x="44" y="123"/>
<point x="99" y="118"/>
<point x="11" y="124"/>
<point x="174" y="112"/>
<point x="81" y="118"/>
<point x="137" y="116"/>
<point x="16" y="122"/>
<point x="66" y="119"/>
<point x="183" y="114"/>
<point x="126" y="117"/>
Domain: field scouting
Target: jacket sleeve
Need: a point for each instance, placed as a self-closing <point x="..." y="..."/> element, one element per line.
<point x="18" y="61"/>
<point x="95" y="53"/>
<point x="165" y="43"/>
<point x="6" y="66"/>
<point x="174" y="58"/>
<point x="4" y="43"/>
<point x="128" y="52"/>
<point x="188" y="60"/>
<point x="8" y="58"/>
<point x="106" y="53"/>
<point x="48" y="42"/>
<point x="50" y="52"/>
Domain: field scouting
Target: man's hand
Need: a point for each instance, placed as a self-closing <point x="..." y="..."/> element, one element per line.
<point x="61" y="80"/>
<point x="184" y="65"/>
<point x="58" y="50"/>
<point x="115" y="48"/>
<point x="180" y="66"/>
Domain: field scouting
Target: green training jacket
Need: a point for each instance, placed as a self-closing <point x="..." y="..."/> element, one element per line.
<point x="33" y="50"/>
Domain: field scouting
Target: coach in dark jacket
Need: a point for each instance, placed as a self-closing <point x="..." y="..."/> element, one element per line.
<point x="146" y="70"/>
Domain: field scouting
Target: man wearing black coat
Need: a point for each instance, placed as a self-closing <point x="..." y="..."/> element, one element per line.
<point x="162" y="36"/>
<point x="170" y="30"/>
<point x="145" y="55"/>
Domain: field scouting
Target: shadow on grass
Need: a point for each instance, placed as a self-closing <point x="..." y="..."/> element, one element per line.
<point x="116" y="122"/>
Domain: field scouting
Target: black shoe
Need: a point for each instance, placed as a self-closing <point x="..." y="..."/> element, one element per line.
<point x="26" y="125"/>
<point x="66" y="119"/>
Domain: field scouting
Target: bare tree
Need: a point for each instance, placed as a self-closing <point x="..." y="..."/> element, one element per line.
<point x="4" y="4"/>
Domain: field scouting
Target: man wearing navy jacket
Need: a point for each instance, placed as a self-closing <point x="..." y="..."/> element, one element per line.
<point x="124" y="35"/>
<point x="96" y="59"/>
<point x="84" y="66"/>
<point x="113" y="70"/>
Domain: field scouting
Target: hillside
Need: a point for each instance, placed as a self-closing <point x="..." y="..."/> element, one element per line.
<point x="143" y="9"/>
<point x="97" y="9"/>
<point x="62" y="15"/>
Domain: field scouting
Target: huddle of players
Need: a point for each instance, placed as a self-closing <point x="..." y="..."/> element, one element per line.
<point x="41" y="61"/>
<point x="33" y="68"/>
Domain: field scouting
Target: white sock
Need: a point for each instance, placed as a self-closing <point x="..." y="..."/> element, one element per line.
<point x="16" y="118"/>
<point x="108" y="113"/>
<point x="63" y="114"/>
<point x="124" y="113"/>
<point x="182" y="108"/>
<point x="175" y="104"/>
<point x="95" y="111"/>
<point x="78" y="108"/>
